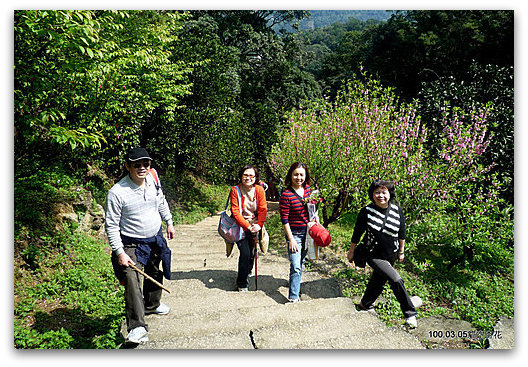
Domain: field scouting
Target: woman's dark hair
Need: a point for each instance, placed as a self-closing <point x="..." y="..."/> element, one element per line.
<point x="381" y="183"/>
<point x="249" y="166"/>
<point x="293" y="167"/>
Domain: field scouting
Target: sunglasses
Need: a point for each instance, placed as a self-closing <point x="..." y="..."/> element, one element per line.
<point x="144" y="164"/>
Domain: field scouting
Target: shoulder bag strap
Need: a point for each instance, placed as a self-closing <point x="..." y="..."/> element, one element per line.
<point x="386" y="216"/>
<point x="241" y="231"/>
<point x="239" y="197"/>
<point x="227" y="202"/>
<point x="295" y="193"/>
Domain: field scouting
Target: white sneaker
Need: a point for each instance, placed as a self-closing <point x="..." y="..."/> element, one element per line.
<point x="137" y="335"/>
<point x="416" y="301"/>
<point x="294" y="300"/>
<point x="411" y="322"/>
<point x="242" y="289"/>
<point x="162" y="309"/>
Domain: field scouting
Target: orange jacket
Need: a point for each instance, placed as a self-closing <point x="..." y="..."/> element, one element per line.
<point x="262" y="207"/>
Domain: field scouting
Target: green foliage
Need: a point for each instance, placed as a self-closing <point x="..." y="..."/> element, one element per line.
<point x="83" y="79"/>
<point x="71" y="301"/>
<point x="193" y="199"/>
<point x="207" y="91"/>
<point x="327" y="19"/>
<point x="422" y="45"/>
<point x="482" y="84"/>
<point x="35" y="196"/>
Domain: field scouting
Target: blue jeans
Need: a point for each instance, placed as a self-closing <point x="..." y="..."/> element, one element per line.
<point x="296" y="264"/>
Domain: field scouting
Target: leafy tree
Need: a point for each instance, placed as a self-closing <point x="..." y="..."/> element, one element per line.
<point x="246" y="77"/>
<point x="417" y="46"/>
<point x="97" y="80"/>
<point x="51" y="49"/>
<point x="484" y="84"/>
<point x="210" y="129"/>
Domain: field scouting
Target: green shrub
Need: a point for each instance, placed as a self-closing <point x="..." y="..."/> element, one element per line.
<point x="71" y="301"/>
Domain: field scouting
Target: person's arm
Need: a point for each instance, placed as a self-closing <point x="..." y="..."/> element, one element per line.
<point x="284" y="210"/>
<point x="359" y="228"/>
<point x="112" y="219"/>
<point x="236" y="210"/>
<point x="292" y="244"/>
<point x="350" y="254"/>
<point x="166" y="215"/>
<point x="401" y="236"/>
<point x="171" y="232"/>
<point x="401" y="250"/>
<point x="262" y="209"/>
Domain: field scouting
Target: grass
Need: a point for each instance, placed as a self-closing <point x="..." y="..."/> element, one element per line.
<point x="71" y="300"/>
<point x="191" y="199"/>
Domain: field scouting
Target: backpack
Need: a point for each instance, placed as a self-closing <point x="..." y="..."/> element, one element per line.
<point x="155" y="176"/>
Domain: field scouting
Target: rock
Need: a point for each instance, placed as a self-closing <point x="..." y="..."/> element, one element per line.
<point x="82" y="211"/>
<point x="443" y="331"/>
<point x="503" y="334"/>
<point x="63" y="212"/>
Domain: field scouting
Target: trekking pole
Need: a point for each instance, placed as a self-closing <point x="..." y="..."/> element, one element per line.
<point x="148" y="277"/>
<point x="256" y="261"/>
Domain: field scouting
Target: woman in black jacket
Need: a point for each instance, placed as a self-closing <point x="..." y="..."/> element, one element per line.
<point x="384" y="224"/>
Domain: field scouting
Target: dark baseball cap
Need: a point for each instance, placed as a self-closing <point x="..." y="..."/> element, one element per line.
<point x="135" y="154"/>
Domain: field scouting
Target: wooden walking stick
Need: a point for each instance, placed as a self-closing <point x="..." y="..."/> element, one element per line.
<point x="148" y="277"/>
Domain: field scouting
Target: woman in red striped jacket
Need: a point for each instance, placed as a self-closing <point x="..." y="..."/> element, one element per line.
<point x="294" y="217"/>
<point x="250" y="214"/>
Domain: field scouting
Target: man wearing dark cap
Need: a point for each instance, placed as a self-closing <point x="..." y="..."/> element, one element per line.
<point x="135" y="210"/>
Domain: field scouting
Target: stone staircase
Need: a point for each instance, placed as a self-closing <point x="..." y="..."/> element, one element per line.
<point x="208" y="313"/>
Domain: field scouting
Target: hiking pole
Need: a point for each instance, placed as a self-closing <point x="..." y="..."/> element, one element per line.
<point x="256" y="234"/>
<point x="148" y="277"/>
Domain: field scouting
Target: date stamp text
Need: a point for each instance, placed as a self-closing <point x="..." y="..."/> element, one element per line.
<point x="465" y="334"/>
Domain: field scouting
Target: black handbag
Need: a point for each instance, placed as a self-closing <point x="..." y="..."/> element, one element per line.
<point x="360" y="255"/>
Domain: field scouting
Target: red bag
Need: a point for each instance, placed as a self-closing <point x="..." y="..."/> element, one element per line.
<point x="320" y="235"/>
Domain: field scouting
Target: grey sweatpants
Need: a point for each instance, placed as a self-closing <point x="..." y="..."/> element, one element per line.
<point x="383" y="272"/>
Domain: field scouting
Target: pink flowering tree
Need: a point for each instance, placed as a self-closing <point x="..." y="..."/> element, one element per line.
<point x="366" y="133"/>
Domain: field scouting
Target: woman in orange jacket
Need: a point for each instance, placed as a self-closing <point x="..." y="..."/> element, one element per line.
<point x="250" y="214"/>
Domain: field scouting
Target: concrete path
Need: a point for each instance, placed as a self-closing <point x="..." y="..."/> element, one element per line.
<point x="208" y="313"/>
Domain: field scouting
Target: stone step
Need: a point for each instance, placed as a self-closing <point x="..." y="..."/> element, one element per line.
<point x="234" y="340"/>
<point x="346" y="329"/>
<point x="359" y="330"/>
<point x="244" y="318"/>
<point x="270" y="278"/>
<point x="212" y="264"/>
<point x="216" y="299"/>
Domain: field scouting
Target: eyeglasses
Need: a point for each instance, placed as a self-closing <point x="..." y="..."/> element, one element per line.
<point x="248" y="176"/>
<point x="144" y="164"/>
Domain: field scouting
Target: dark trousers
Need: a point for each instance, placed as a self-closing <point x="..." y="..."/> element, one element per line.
<point x="141" y="295"/>
<point x="246" y="259"/>
<point x="383" y="272"/>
